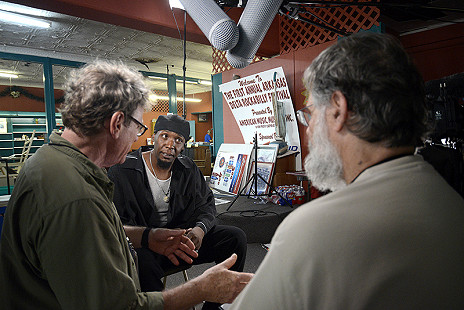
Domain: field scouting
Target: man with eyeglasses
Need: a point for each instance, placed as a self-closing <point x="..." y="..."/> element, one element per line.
<point x="142" y="128"/>
<point x="63" y="245"/>
<point x="390" y="235"/>
<point x="158" y="187"/>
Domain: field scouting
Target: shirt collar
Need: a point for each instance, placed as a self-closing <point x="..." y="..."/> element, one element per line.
<point x="382" y="162"/>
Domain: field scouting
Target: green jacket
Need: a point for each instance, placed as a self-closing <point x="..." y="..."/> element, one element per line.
<point x="63" y="245"/>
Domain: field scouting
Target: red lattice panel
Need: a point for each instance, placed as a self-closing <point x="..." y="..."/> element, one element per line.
<point x="296" y="34"/>
<point x="161" y="105"/>
<point x="220" y="63"/>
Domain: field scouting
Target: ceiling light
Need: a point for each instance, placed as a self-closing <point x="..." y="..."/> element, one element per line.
<point x="23" y="20"/>
<point x="11" y="7"/>
<point x="157" y="77"/>
<point x="205" y="82"/>
<point x="176" y="4"/>
<point x="202" y="82"/>
<point x="188" y="99"/>
<point x="187" y="82"/>
<point x="154" y="97"/>
<point x="180" y="80"/>
<point x="8" y="75"/>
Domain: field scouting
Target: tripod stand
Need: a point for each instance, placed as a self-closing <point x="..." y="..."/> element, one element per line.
<point x="254" y="180"/>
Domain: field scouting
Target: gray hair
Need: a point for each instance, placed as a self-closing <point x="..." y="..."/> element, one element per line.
<point x="96" y="91"/>
<point x="383" y="88"/>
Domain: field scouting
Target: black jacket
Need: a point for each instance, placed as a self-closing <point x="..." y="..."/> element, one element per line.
<point x="191" y="201"/>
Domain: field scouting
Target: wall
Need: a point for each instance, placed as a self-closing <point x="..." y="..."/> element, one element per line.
<point x="205" y="105"/>
<point x="293" y="64"/>
<point x="437" y="53"/>
<point x="23" y="103"/>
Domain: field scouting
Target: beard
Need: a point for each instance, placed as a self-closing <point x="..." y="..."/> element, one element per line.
<point x="163" y="164"/>
<point x="323" y="165"/>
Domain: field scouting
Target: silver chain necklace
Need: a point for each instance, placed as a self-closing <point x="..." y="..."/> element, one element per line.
<point x="166" y="195"/>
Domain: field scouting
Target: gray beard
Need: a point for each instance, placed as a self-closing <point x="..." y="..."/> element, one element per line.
<point x="323" y="165"/>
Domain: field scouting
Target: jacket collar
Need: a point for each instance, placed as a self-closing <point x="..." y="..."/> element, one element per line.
<point x="66" y="147"/>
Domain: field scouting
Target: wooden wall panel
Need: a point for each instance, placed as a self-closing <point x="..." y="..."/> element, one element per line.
<point x="303" y="59"/>
<point x="438" y="52"/>
<point x="24" y="103"/>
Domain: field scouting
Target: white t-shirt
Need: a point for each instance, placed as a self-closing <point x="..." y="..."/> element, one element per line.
<point x="159" y="190"/>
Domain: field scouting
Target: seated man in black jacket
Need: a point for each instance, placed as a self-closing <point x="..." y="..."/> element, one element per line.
<point x="158" y="188"/>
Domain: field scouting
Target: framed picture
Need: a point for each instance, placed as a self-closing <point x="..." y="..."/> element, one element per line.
<point x="265" y="170"/>
<point x="3" y="125"/>
<point x="202" y="117"/>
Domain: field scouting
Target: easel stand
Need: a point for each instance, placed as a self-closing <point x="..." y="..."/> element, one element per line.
<point x="254" y="179"/>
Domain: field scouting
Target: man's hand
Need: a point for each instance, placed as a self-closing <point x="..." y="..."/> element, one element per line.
<point x="217" y="284"/>
<point x="172" y="243"/>
<point x="196" y="234"/>
<point x="221" y="284"/>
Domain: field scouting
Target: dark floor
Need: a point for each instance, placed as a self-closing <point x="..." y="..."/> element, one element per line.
<point x="255" y="255"/>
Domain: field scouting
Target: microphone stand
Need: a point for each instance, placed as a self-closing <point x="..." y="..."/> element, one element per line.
<point x="254" y="180"/>
<point x="184" y="49"/>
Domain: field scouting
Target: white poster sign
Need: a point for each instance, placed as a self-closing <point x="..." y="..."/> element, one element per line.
<point x="250" y="100"/>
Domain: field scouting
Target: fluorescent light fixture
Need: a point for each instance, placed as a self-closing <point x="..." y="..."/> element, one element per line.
<point x="186" y="82"/>
<point x="201" y="82"/>
<point x="188" y="99"/>
<point x="154" y="97"/>
<point x="205" y="82"/>
<point x="180" y="80"/>
<point x="176" y="4"/>
<point x="23" y="20"/>
<point x="157" y="77"/>
<point x="11" y="7"/>
<point x="8" y="75"/>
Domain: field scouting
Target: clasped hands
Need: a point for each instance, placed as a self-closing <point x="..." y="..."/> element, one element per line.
<point x="176" y="243"/>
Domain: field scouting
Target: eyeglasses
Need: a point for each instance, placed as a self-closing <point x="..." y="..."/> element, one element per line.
<point x="142" y="127"/>
<point x="303" y="115"/>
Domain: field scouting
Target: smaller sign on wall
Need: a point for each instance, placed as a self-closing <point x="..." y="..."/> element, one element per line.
<point x="202" y="117"/>
<point x="3" y="125"/>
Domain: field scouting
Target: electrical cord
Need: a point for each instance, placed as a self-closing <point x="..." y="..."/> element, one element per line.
<point x="249" y="213"/>
<point x="175" y="20"/>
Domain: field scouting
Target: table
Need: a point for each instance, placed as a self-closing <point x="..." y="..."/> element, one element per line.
<point x="301" y="176"/>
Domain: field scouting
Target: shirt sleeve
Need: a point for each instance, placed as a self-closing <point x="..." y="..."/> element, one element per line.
<point x="121" y="201"/>
<point x="86" y="263"/>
